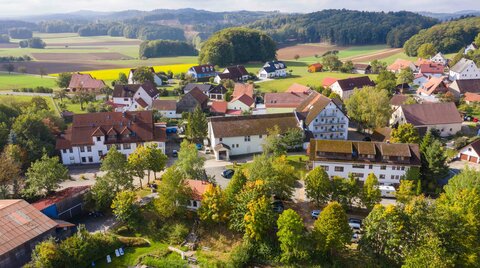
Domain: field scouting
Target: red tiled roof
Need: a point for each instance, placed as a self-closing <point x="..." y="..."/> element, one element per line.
<point x="234" y="112"/>
<point x="198" y="95"/>
<point x="242" y="89"/>
<point x="328" y="81"/>
<point x="432" y="68"/>
<point x="20" y="222"/>
<point x="246" y="99"/>
<point x="421" y="61"/>
<point x="472" y="97"/>
<point x="198" y="188"/>
<point x="432" y="86"/>
<point x="59" y="196"/>
<point x="219" y="107"/>
<point x="85" y="81"/>
<point x="399" y="64"/>
<point x="284" y="100"/>
<point x="297" y="88"/>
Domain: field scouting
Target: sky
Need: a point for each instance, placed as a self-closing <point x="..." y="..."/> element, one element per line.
<point x="12" y="8"/>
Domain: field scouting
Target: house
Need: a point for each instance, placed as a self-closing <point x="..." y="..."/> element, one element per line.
<point x="344" y="87"/>
<point x="236" y="73"/>
<point x="198" y="188"/>
<point x="426" y="116"/>
<point x="431" y="69"/>
<point x="133" y="97"/>
<point x="398" y="100"/>
<point x="472" y="97"/>
<point x="217" y="92"/>
<point x="315" y="68"/>
<point x="219" y="107"/>
<point x="90" y="136"/>
<point x="401" y="64"/>
<point x="328" y="81"/>
<point x="191" y="100"/>
<point x="22" y="228"/>
<point x="202" y="73"/>
<point x="166" y="108"/>
<point x="242" y="97"/>
<point x="420" y="79"/>
<point x="389" y="162"/>
<point x="205" y="87"/>
<point x="64" y="204"/>
<point x="434" y="85"/>
<point x="440" y="58"/>
<point x="361" y="68"/>
<point x="273" y="69"/>
<point x="240" y="135"/>
<point x="284" y="102"/>
<point x="464" y="70"/>
<point x="322" y="117"/>
<point x="461" y="87"/>
<point x="158" y="81"/>
<point x="297" y="88"/>
<point x="85" y="82"/>
<point x="471" y="47"/>
<point x="470" y="153"/>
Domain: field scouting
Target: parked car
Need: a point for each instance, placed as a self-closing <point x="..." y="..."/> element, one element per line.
<point x="355" y="238"/>
<point x="315" y="214"/>
<point x="208" y="151"/>
<point x="174" y="153"/>
<point x="355" y="220"/>
<point x="354" y="226"/>
<point x="278" y="206"/>
<point x="228" y="173"/>
<point x="199" y="146"/>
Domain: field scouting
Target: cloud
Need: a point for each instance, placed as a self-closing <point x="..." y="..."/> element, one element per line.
<point x="28" y="7"/>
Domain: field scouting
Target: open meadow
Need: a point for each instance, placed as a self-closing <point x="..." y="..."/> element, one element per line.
<point x="17" y="81"/>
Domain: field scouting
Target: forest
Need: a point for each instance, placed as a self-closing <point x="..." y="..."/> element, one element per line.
<point x="165" y="48"/>
<point x="448" y="37"/>
<point x="345" y="27"/>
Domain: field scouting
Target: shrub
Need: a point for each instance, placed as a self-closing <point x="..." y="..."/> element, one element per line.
<point x="178" y="233"/>
<point x="134" y="241"/>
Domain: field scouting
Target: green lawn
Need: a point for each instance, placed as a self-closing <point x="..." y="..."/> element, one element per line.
<point x="131" y="256"/>
<point x="9" y="99"/>
<point x="75" y="107"/>
<point x="17" y="81"/>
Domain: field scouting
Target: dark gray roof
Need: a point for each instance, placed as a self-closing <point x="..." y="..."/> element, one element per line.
<point x="431" y="114"/>
<point x="203" y="87"/>
<point x="355" y="82"/>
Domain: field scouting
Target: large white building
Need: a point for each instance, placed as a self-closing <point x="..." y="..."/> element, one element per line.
<point x="240" y="135"/>
<point x="134" y="97"/>
<point x="323" y="117"/>
<point x="273" y="69"/>
<point x="91" y="135"/>
<point x="464" y="69"/>
<point x="345" y="87"/>
<point x="389" y="162"/>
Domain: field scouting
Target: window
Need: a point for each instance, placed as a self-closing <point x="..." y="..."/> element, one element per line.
<point x="220" y="139"/>
<point x="324" y="168"/>
<point x="89" y="148"/>
<point x="82" y="149"/>
<point x="357" y="175"/>
<point x="339" y="169"/>
<point x="108" y="147"/>
<point x="402" y="168"/>
<point x="260" y="136"/>
<point x="382" y="176"/>
<point x="90" y="159"/>
<point x="247" y="138"/>
<point x="99" y="138"/>
<point x="127" y="146"/>
<point x="70" y="150"/>
<point x="64" y="151"/>
<point x="84" y="159"/>
<point x="358" y="166"/>
<point x="383" y="167"/>
<point x="370" y="166"/>
<point x="100" y="153"/>
<point x="194" y="204"/>
<point x="125" y="99"/>
<point x="72" y="158"/>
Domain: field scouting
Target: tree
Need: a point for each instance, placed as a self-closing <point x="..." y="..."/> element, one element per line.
<point x="143" y="74"/>
<point x="235" y="185"/>
<point x="344" y="190"/>
<point x="214" y="207"/>
<point x="435" y="160"/>
<point x="430" y="253"/>
<point x="156" y="160"/>
<point x="259" y="219"/>
<point x="47" y="254"/>
<point x="386" y="80"/>
<point x="9" y="176"/>
<point x="331" y="62"/>
<point x="293" y="138"/>
<point x="36" y="42"/>
<point x="370" y="107"/>
<point x="44" y="176"/>
<point x="426" y="51"/>
<point x="122" y="78"/>
<point x="173" y="193"/>
<point x="102" y="193"/>
<point x="137" y="162"/>
<point x="317" y="186"/>
<point x="291" y="235"/>
<point x="115" y="165"/>
<point x="9" y="67"/>
<point x="82" y="97"/>
<point x="406" y="191"/>
<point x="405" y="133"/>
<point x="378" y="66"/>
<point x="477" y="40"/>
<point x="60" y="94"/>
<point x="296" y="57"/>
<point x="273" y="143"/>
<point x="124" y="207"/>
<point x="347" y="67"/>
<point x="63" y="80"/>
<point x="189" y="164"/>
<point x="371" y="193"/>
<point x="42" y="71"/>
<point x="196" y="129"/>
<point x="405" y="77"/>
<point x="331" y="231"/>
<point x="251" y="192"/>
<point x="107" y="91"/>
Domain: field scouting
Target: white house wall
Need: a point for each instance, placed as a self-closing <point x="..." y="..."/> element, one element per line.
<point x="321" y="124"/>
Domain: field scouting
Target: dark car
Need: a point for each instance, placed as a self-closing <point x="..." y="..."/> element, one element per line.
<point x="228" y="174"/>
<point x="278" y="206"/>
<point x="174" y="153"/>
<point x="315" y="214"/>
<point x="355" y="220"/>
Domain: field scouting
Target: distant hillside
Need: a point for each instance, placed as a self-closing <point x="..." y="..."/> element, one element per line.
<point x="450" y="16"/>
<point x="447" y="37"/>
<point x="345" y="27"/>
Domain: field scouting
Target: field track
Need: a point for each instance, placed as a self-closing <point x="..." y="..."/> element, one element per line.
<point x="375" y="56"/>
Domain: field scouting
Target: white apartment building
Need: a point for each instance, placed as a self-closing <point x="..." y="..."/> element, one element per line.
<point x="91" y="136"/>
<point x="389" y="162"/>
<point x="345" y="87"/>
<point x="240" y="135"/>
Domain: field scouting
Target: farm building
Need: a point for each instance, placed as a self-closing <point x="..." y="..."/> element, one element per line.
<point x="314" y="68"/>
<point x="361" y="68"/>
<point x="85" y="82"/>
<point x="64" y="204"/>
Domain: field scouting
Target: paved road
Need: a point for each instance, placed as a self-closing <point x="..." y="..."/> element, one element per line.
<point x="26" y="94"/>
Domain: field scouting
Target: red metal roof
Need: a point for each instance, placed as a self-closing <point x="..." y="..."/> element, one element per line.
<point x="59" y="196"/>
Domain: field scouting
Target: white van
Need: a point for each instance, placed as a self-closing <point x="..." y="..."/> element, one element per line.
<point x="387" y="191"/>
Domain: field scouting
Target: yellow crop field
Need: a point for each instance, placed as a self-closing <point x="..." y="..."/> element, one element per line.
<point x="112" y="74"/>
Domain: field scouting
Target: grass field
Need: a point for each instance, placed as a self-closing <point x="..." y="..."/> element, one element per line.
<point x="13" y="99"/>
<point x="16" y="81"/>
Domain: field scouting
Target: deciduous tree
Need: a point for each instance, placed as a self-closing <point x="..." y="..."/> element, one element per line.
<point x="63" y="80"/>
<point x="143" y="74"/>
<point x="214" y="207"/>
<point x="405" y="133"/>
<point x="259" y="219"/>
<point x="371" y="193"/>
<point x="115" y="165"/>
<point x="124" y="206"/>
<point x="318" y="186"/>
<point x="291" y="235"/>
<point x="196" y="129"/>
<point x="173" y="193"/>
<point x="331" y="230"/>
<point x="44" y="176"/>
<point x="426" y="51"/>
<point x="189" y="163"/>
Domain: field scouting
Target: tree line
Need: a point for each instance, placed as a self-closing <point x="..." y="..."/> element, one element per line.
<point x="166" y="48"/>
<point x="345" y="27"/>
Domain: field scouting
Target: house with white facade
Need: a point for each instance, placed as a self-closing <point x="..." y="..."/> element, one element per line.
<point x="464" y="70"/>
<point x="443" y="117"/>
<point x="240" y="135"/>
<point x="470" y="153"/>
<point x="198" y="188"/>
<point x="389" y="162"/>
<point x="462" y="87"/>
<point x="134" y="97"/>
<point x="322" y="117"/>
<point x="90" y="136"/>
<point x="242" y="98"/>
<point x="439" y="58"/>
<point x="158" y="81"/>
<point x="236" y="73"/>
<point x="471" y="47"/>
<point x="202" y="73"/>
<point x="166" y="108"/>
<point x="217" y="92"/>
<point x="345" y="87"/>
<point x="401" y="64"/>
<point x="273" y="69"/>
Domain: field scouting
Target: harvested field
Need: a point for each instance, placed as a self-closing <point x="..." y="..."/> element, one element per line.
<point x="305" y="50"/>
<point x="8" y="45"/>
<point x="375" y="56"/>
<point x="79" y="56"/>
<point x="33" y="67"/>
<point x="103" y="43"/>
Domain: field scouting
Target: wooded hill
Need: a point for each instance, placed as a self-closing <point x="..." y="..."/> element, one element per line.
<point x="345" y="27"/>
<point x="447" y="37"/>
